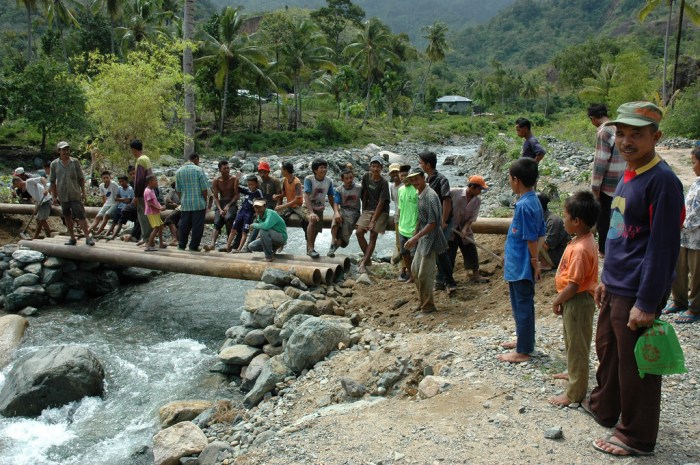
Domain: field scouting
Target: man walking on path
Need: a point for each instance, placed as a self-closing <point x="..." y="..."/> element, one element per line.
<point x="68" y="187"/>
<point x="441" y="186"/>
<point x="428" y="240"/>
<point x="641" y="252"/>
<point x="608" y="167"/>
<point x="143" y="170"/>
<point x="192" y="186"/>
<point x="531" y="147"/>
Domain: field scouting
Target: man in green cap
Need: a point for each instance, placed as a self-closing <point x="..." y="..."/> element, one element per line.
<point x="640" y="255"/>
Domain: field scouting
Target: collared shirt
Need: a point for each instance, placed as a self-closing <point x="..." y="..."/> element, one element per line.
<point x="690" y="234"/>
<point x="608" y="165"/>
<point x="67" y="179"/>
<point x="527" y="226"/>
<point x="190" y="181"/>
<point x="430" y="211"/>
<point x="464" y="212"/>
<point x="36" y="188"/>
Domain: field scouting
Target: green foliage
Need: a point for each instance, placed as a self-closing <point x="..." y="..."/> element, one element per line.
<point x="578" y="62"/>
<point x="684" y="118"/>
<point x="632" y="80"/>
<point x="137" y="99"/>
<point x="48" y="98"/>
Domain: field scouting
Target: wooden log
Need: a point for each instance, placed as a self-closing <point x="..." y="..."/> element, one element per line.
<point x="480" y="226"/>
<point x="234" y="269"/>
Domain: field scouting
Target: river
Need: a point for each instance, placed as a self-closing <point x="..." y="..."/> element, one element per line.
<point x="157" y="342"/>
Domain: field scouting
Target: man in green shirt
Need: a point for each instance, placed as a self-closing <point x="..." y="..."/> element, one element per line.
<point x="407" y="213"/>
<point x="267" y="233"/>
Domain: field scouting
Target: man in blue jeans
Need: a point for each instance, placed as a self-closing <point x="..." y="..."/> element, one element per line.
<point x="192" y="187"/>
<point x="267" y="233"/>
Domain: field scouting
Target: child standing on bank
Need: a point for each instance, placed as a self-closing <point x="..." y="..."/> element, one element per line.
<point x="521" y="267"/>
<point x="152" y="209"/>
<point x="689" y="257"/>
<point x="576" y="280"/>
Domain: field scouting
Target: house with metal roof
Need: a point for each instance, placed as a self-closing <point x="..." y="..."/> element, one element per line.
<point x="454" y="104"/>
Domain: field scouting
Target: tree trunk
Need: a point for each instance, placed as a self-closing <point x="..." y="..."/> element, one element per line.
<point x="29" y="31"/>
<point x="259" y="113"/>
<point x="367" y="100"/>
<point x="420" y="95"/>
<point x="223" y="104"/>
<point x="43" y="138"/>
<point x="277" y="89"/>
<point x="188" y="70"/>
<point x="664" y="92"/>
<point x="678" y="50"/>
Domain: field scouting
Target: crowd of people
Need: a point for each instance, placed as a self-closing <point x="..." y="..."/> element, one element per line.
<point x="647" y="234"/>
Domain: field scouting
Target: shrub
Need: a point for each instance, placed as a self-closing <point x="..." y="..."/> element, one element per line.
<point x="684" y="119"/>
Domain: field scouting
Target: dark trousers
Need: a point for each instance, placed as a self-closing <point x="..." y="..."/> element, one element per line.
<point x="469" y="254"/>
<point x="603" y="223"/>
<point x="621" y="393"/>
<point x="445" y="268"/>
<point x="522" y="301"/>
<point x="191" y="221"/>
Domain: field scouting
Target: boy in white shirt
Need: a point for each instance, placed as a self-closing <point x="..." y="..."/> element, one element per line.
<point x="108" y="190"/>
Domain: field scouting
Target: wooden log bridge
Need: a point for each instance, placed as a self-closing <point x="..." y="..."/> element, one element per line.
<point x="237" y="266"/>
<point x="480" y="226"/>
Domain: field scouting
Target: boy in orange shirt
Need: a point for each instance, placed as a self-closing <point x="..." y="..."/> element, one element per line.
<point x="576" y="280"/>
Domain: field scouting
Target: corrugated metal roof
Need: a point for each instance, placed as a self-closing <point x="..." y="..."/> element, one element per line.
<point x="452" y="99"/>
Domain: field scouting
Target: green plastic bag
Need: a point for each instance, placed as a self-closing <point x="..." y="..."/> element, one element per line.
<point x="658" y="351"/>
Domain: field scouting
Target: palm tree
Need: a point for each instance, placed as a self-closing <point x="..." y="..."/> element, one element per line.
<point x="113" y="8"/>
<point x="598" y="87"/>
<point x="59" y="14"/>
<point x="141" y="24"/>
<point x="437" y="48"/>
<point x="306" y="51"/>
<point x="188" y="71"/>
<point x="232" y="48"/>
<point x="370" y="53"/>
<point x="31" y="7"/>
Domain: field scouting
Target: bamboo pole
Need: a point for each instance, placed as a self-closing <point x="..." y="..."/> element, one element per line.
<point x="235" y="269"/>
<point x="480" y="226"/>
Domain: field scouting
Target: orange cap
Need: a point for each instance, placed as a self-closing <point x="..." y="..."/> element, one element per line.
<point x="263" y="166"/>
<point x="478" y="180"/>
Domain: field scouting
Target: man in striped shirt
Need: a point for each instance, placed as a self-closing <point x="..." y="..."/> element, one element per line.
<point x="608" y="167"/>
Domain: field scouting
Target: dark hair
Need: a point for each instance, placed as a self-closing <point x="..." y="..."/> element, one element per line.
<point x="136" y="144"/>
<point x="429" y="158"/>
<point x="193" y="156"/>
<point x="151" y="176"/>
<point x="597" y="110"/>
<point x="523" y="123"/>
<point x="544" y="199"/>
<point x="131" y="168"/>
<point x="251" y="177"/>
<point x="46" y="163"/>
<point x="346" y="172"/>
<point x="524" y="169"/>
<point x="288" y="166"/>
<point x="584" y="206"/>
<point x="222" y="163"/>
<point x="16" y="179"/>
<point x="105" y="172"/>
<point x="172" y="185"/>
<point x="404" y="168"/>
<point x="123" y="178"/>
<point x="318" y="162"/>
<point x="696" y="153"/>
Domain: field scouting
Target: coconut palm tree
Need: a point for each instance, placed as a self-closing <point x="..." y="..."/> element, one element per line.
<point x="597" y="88"/>
<point x="188" y="71"/>
<point x="31" y="7"/>
<point x="142" y="24"/>
<point x="232" y="49"/>
<point x="370" y="53"/>
<point x="59" y="13"/>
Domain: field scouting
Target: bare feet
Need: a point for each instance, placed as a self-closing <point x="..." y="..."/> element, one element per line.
<point x="163" y="245"/>
<point x="563" y="375"/>
<point x="560" y="400"/>
<point x="173" y="243"/>
<point x="513" y="357"/>
<point x="508" y="344"/>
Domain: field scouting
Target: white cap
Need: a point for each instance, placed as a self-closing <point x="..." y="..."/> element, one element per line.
<point x="19" y="170"/>
<point x="61" y="145"/>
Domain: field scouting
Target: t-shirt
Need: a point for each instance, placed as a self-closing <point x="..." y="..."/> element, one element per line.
<point x="35" y="188"/>
<point x="532" y="148"/>
<point x="152" y="205"/>
<point x="270" y="187"/>
<point x="318" y="190"/>
<point x="348" y="199"/>
<point x="527" y="225"/>
<point x="271" y="221"/>
<point x="430" y="211"/>
<point x="579" y="265"/>
<point x="127" y="193"/>
<point x="250" y="197"/>
<point x="376" y="191"/>
<point x="67" y="179"/>
<point x="408" y="210"/>
<point x="110" y="192"/>
<point x="143" y="170"/>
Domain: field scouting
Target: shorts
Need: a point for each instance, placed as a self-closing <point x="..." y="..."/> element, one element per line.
<point x="226" y="220"/>
<point x="318" y="226"/>
<point x="289" y="212"/>
<point x="402" y="247"/>
<point x="173" y="218"/>
<point x="379" y="226"/>
<point x="347" y="226"/>
<point x="243" y="220"/>
<point x="107" y="210"/>
<point x="155" y="220"/>
<point x="44" y="211"/>
<point x="74" y="209"/>
<point x="126" y="214"/>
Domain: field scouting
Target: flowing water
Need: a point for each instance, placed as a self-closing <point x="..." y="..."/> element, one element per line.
<point x="157" y="342"/>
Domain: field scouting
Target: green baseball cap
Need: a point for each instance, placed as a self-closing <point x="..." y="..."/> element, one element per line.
<point x="637" y="114"/>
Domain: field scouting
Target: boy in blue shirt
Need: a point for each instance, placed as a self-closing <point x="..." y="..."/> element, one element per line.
<point x="521" y="267"/>
<point x="246" y="214"/>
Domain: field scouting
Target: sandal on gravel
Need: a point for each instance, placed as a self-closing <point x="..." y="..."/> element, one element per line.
<point x="673" y="308"/>
<point x="687" y="317"/>
<point x="586" y="407"/>
<point x="630" y="451"/>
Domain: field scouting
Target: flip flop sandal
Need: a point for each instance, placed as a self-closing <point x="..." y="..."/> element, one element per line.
<point x="672" y="308"/>
<point x="586" y="407"/>
<point x="687" y="317"/>
<point x="631" y="451"/>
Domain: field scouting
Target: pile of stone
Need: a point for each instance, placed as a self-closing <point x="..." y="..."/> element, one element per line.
<point x="31" y="280"/>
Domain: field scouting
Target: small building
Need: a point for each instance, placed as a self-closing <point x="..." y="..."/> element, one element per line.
<point x="454" y="104"/>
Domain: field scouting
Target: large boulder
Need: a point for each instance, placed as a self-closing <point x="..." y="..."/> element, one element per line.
<point x="279" y="278"/>
<point x="215" y="453"/>
<point x="294" y="307"/>
<point x="252" y="371"/>
<point x="264" y="316"/>
<point x="11" y="331"/>
<point x="27" y="279"/>
<point x="291" y="326"/>
<point x="274" y="371"/>
<point x="256" y="298"/>
<point x="51" y="377"/>
<point x="25" y="296"/>
<point x="51" y="275"/>
<point x="312" y="341"/>
<point x="181" y="410"/>
<point x="28" y="256"/>
<point x="240" y="354"/>
<point x="173" y="443"/>
<point x="57" y="290"/>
